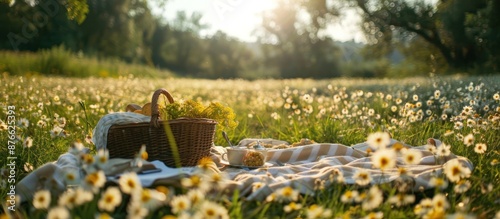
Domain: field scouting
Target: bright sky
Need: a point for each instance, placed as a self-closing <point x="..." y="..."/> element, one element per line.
<point x="239" y="18"/>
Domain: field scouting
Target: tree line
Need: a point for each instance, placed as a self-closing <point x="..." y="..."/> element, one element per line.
<point x="440" y="36"/>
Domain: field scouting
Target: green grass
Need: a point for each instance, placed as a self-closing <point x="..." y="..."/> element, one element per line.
<point x="337" y="111"/>
<point x="60" y="62"/>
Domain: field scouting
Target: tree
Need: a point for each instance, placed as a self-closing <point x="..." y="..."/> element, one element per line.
<point x="40" y="24"/>
<point x="228" y="57"/>
<point x="461" y="30"/>
<point x="183" y="49"/>
<point x="118" y="28"/>
<point x="299" y="46"/>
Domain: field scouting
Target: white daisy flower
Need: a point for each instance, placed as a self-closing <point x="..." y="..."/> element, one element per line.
<point x="496" y="96"/>
<point x="94" y="181"/>
<point x="28" y="142"/>
<point x="293" y="206"/>
<point x="213" y="210"/>
<point x="101" y="158"/>
<point x="412" y="157"/>
<point x="469" y="139"/>
<point x="58" y="212"/>
<point x="402" y="199"/>
<point x="439" y="201"/>
<point x="316" y="211"/>
<point x="349" y="196"/>
<point x="83" y="196"/>
<point x="373" y="199"/>
<point x="362" y="177"/>
<point x="111" y="198"/>
<point x="374" y="215"/>
<point x="455" y="171"/>
<point x="152" y="198"/>
<point x="196" y="182"/>
<point x="41" y="199"/>
<point x="379" y="140"/>
<point x="23" y="123"/>
<point x="196" y="196"/>
<point x="384" y="159"/>
<point x="443" y="150"/>
<point x="480" y="148"/>
<point x="180" y="203"/>
<point x="438" y="182"/>
<point x="135" y="211"/>
<point x="129" y="183"/>
<point x="287" y="194"/>
<point x="67" y="199"/>
<point x="257" y="185"/>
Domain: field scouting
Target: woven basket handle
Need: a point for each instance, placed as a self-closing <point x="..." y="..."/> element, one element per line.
<point x="155" y="113"/>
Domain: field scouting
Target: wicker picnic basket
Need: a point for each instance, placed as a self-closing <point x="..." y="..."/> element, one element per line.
<point x="193" y="136"/>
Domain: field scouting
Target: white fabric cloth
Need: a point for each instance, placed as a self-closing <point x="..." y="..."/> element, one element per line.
<point x="100" y="134"/>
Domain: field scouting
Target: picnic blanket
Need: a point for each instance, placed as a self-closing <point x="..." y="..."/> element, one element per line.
<point x="307" y="166"/>
<point x="304" y="166"/>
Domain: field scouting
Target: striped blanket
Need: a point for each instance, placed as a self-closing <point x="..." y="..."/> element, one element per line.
<point x="307" y="167"/>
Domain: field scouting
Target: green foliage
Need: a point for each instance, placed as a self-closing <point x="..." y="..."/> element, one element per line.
<point x="366" y="69"/>
<point x="77" y="10"/>
<point x="61" y="62"/>
<point x="294" y="45"/>
<point x="461" y="33"/>
<point x="54" y="61"/>
<point x="223" y="115"/>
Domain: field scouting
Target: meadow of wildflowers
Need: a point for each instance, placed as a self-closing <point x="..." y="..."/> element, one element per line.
<point x="54" y="115"/>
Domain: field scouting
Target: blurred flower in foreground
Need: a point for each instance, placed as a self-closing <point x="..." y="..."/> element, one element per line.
<point x="402" y="199"/>
<point x="180" y="203"/>
<point x="292" y="207"/>
<point x="362" y="177"/>
<point x="374" y="215"/>
<point x="455" y="171"/>
<point x="440" y="202"/>
<point x="110" y="199"/>
<point x="378" y="140"/>
<point x="287" y="194"/>
<point x="384" y="159"/>
<point x="438" y="182"/>
<point x="94" y="181"/>
<point x="412" y="157"/>
<point x="210" y="209"/>
<point x="41" y="199"/>
<point x="129" y="183"/>
<point x="373" y="199"/>
<point x="443" y="150"/>
<point x="58" y="212"/>
<point x="316" y="211"/>
<point x="349" y="196"/>
<point x="196" y="181"/>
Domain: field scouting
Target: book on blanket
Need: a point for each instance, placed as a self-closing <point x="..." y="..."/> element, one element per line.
<point x="153" y="171"/>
